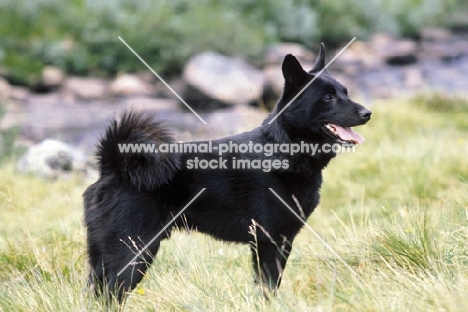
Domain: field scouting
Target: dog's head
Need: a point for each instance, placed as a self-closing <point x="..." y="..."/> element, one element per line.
<point x="323" y="111"/>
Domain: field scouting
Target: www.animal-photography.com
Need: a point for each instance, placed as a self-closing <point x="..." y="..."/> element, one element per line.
<point x="220" y="156"/>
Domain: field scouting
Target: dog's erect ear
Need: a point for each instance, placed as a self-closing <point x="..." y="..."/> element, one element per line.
<point x="320" y="61"/>
<point x="292" y="70"/>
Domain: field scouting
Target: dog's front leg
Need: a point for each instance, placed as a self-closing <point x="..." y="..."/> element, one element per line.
<point x="269" y="260"/>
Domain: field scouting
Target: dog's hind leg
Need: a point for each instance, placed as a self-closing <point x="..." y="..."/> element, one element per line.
<point x="96" y="276"/>
<point x="269" y="260"/>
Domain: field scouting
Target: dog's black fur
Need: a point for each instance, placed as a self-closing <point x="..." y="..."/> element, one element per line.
<point x="138" y="194"/>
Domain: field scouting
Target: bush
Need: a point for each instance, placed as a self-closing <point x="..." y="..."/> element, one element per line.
<point x="81" y="36"/>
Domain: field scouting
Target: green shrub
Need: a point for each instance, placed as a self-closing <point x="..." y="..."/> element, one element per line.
<point x="80" y="36"/>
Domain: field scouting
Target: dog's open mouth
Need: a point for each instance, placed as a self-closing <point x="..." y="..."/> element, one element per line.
<point x="345" y="134"/>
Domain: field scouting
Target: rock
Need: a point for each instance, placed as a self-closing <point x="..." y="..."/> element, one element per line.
<point x="52" y="77"/>
<point x="177" y="84"/>
<point x="128" y="85"/>
<point x="48" y="116"/>
<point x="158" y="105"/>
<point x="214" y="80"/>
<point x="435" y="34"/>
<point x="401" y="52"/>
<point x="19" y="93"/>
<point x="232" y="121"/>
<point x="414" y="78"/>
<point x="45" y="116"/>
<point x="273" y="86"/>
<point x="440" y="51"/>
<point x="5" y="89"/>
<point x="52" y="159"/>
<point x="86" y="88"/>
<point x="461" y="46"/>
<point x="379" y="41"/>
<point x="223" y="122"/>
<point x="459" y="24"/>
<point x="394" y="51"/>
<point x="147" y="77"/>
<point x="276" y="53"/>
<point x="355" y="58"/>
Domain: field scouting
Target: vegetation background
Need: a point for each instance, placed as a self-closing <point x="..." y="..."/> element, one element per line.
<point x="80" y="36"/>
<point x="395" y="210"/>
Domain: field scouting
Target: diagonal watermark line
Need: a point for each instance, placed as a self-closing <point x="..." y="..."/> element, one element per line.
<point x="160" y="232"/>
<point x="316" y="76"/>
<point x="162" y="80"/>
<point x="313" y="232"/>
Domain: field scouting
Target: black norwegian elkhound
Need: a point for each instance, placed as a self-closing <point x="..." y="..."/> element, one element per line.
<point x="138" y="194"/>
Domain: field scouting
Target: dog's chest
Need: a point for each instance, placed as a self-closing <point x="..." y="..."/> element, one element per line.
<point x="305" y="191"/>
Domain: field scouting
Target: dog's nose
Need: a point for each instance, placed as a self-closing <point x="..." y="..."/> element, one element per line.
<point x="365" y="113"/>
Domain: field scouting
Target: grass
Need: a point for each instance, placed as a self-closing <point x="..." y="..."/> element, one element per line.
<point x="395" y="211"/>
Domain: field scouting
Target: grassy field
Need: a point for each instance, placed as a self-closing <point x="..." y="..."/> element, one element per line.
<point x="395" y="211"/>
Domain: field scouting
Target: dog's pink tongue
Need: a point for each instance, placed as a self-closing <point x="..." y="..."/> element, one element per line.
<point x="347" y="134"/>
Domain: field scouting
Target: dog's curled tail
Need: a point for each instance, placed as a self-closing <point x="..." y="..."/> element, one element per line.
<point x="128" y="152"/>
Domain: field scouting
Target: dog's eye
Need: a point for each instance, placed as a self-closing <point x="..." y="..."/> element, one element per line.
<point x="328" y="97"/>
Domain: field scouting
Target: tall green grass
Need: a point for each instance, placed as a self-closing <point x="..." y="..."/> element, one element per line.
<point x="395" y="211"/>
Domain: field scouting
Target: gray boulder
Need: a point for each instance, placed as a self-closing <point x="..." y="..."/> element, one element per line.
<point x="52" y="77"/>
<point x="86" y="88"/>
<point x="129" y="85"/>
<point x="52" y="159"/>
<point x="5" y="88"/>
<point x="214" y="80"/>
<point x="441" y="51"/>
<point x="435" y="34"/>
<point x="394" y="51"/>
<point x="275" y="53"/>
<point x="273" y="87"/>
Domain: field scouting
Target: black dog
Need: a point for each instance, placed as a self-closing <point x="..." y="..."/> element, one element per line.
<point x="138" y="194"/>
